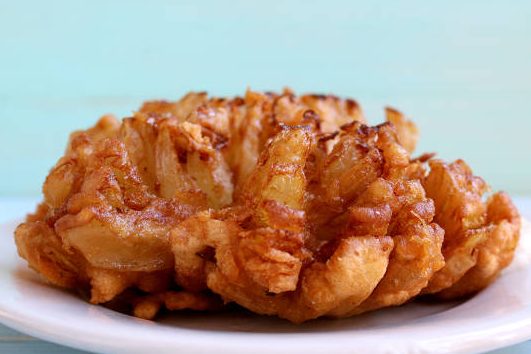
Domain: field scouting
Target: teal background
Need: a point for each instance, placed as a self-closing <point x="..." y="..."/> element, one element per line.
<point x="461" y="70"/>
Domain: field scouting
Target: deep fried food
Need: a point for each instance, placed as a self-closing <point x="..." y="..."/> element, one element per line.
<point x="502" y="231"/>
<point x="480" y="236"/>
<point x="288" y="206"/>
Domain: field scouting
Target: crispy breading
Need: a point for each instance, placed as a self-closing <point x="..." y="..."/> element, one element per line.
<point x="277" y="267"/>
<point x="457" y="194"/>
<point x="286" y="205"/>
<point x="406" y="130"/>
<point x="502" y="231"/>
<point x="147" y="307"/>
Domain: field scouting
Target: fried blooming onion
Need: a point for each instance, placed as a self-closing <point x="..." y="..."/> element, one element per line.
<point x="288" y="206"/>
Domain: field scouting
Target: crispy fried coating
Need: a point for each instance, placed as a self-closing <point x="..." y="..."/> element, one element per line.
<point x="457" y="194"/>
<point x="286" y="205"/>
<point x="502" y="231"/>
<point x="288" y="269"/>
<point x="406" y="130"/>
<point x="147" y="307"/>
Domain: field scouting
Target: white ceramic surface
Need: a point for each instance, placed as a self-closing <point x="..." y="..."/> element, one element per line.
<point x="498" y="316"/>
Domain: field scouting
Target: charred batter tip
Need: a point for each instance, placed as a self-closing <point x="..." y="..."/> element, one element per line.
<point x="317" y="96"/>
<point x="348" y="126"/>
<point x="388" y="128"/>
<point x="238" y="101"/>
<point x="364" y="129"/>
<point x="320" y="96"/>
<point x="327" y="136"/>
<point x="424" y="157"/>
<point x="352" y="105"/>
<point x="356" y="126"/>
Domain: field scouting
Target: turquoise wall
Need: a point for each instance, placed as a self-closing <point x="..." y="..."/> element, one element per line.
<point x="461" y="69"/>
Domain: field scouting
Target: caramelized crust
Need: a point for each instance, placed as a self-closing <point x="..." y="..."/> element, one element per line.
<point x="288" y="206"/>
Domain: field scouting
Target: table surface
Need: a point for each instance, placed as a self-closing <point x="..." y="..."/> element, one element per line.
<point x="12" y="341"/>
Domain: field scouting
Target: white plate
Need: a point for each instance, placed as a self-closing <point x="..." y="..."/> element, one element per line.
<point x="498" y="316"/>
